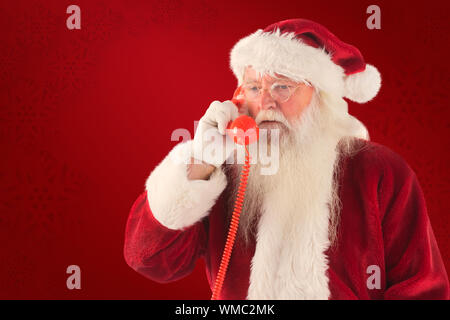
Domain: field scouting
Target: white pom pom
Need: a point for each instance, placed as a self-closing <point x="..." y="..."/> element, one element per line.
<point x="363" y="86"/>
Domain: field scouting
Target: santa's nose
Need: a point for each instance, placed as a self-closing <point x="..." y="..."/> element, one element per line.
<point x="266" y="101"/>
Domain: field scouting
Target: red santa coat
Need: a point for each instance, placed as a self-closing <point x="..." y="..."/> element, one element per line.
<point x="384" y="224"/>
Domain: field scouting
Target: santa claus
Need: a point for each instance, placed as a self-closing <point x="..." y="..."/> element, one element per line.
<point x="340" y="218"/>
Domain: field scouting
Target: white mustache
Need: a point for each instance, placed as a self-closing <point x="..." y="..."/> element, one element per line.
<point x="271" y="115"/>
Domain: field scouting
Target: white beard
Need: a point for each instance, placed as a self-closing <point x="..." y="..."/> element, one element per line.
<point x="289" y="212"/>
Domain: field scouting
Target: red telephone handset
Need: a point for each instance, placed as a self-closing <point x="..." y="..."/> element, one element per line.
<point x="244" y="131"/>
<point x="238" y="97"/>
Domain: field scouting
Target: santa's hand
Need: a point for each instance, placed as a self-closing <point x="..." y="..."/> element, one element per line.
<point x="211" y="143"/>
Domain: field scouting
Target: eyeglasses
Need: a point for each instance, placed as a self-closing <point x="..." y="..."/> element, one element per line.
<point x="279" y="92"/>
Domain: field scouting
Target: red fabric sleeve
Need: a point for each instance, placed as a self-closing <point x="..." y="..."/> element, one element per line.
<point x="157" y="252"/>
<point x="414" y="267"/>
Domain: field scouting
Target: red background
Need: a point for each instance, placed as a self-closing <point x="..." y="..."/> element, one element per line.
<point x="85" y="115"/>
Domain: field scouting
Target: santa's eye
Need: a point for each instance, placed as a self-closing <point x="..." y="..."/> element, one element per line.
<point x="252" y="89"/>
<point x="280" y="87"/>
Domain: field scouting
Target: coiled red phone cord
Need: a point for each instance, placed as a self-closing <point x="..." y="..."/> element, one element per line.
<point x="233" y="227"/>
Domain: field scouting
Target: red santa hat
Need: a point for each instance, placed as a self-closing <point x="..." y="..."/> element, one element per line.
<point x="305" y="50"/>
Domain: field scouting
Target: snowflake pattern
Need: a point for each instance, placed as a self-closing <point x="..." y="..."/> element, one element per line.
<point x="10" y="60"/>
<point x="17" y="274"/>
<point x="101" y="23"/>
<point x="69" y="69"/>
<point x="37" y="27"/>
<point x="430" y="33"/>
<point x="26" y="114"/>
<point x="413" y="103"/>
<point x="36" y="198"/>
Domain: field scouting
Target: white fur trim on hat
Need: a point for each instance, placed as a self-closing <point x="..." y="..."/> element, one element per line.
<point x="363" y="86"/>
<point x="282" y="53"/>
<point x="175" y="201"/>
<point x="290" y="57"/>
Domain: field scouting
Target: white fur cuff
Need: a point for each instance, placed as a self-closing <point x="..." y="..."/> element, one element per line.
<point x="175" y="201"/>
